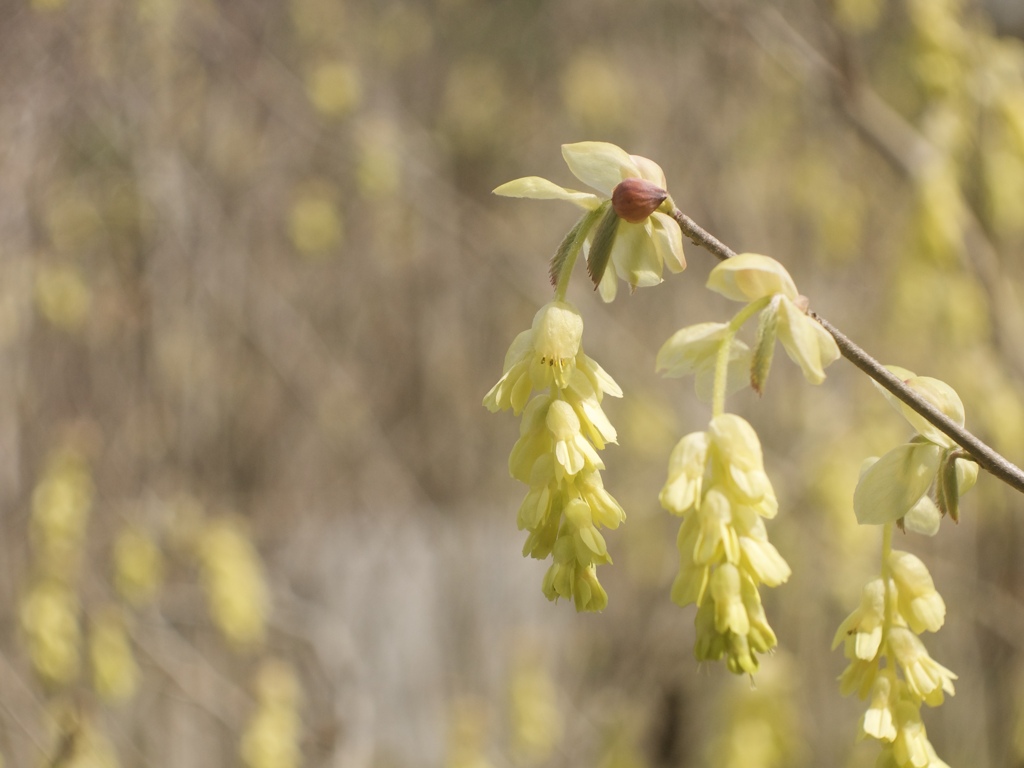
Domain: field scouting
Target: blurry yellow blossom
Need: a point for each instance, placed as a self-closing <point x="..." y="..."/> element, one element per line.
<point x="467" y="735"/>
<point x="232" y="575"/>
<point x="271" y="738"/>
<point x="114" y="670"/>
<point x="757" y="727"/>
<point x="378" y="164"/>
<point x="334" y="88"/>
<point x="941" y="60"/>
<point x="536" y="719"/>
<point x="314" y="223"/>
<point x="940" y="214"/>
<point x="835" y="204"/>
<point x="473" y="105"/>
<point x="61" y="504"/>
<point x="62" y="296"/>
<point x="595" y="90"/>
<point x="858" y="15"/>
<point x="138" y="566"/>
<point x="48" y="5"/>
<point x="619" y="745"/>
<point x="72" y="218"/>
<point x="49" y="620"/>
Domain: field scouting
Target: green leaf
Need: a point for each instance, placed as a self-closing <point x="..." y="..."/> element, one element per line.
<point x="891" y="486"/>
<point x="764" y="347"/>
<point x="601" y="246"/>
<point x="570" y="246"/>
<point x="948" y="488"/>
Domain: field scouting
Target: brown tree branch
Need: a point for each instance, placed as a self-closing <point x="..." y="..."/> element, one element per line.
<point x="986" y="457"/>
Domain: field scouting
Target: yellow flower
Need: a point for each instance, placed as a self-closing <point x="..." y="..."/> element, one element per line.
<point x="716" y="540"/>
<point x="682" y="491"/>
<point x="879" y="720"/>
<point x="573" y="451"/>
<point x="605" y="509"/>
<point x="761" y="636"/>
<point x="730" y="614"/>
<point x="858" y="676"/>
<point x="911" y="748"/>
<point x="919" y="603"/>
<point x="712" y="643"/>
<point x="589" y="543"/>
<point x="861" y="631"/>
<point x="541" y="357"/>
<point x="751" y="277"/>
<point x="115" y="671"/>
<point x="760" y="558"/>
<point x="926" y="678"/>
<point x="735" y="453"/>
<point x="566" y="578"/>
<point x="640" y="250"/>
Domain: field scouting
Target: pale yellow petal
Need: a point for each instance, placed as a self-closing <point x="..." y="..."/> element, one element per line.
<point x="599" y="164"/>
<point x="751" y="276"/>
<point x="536" y="188"/>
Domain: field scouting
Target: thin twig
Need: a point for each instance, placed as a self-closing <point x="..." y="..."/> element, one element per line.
<point x="985" y="456"/>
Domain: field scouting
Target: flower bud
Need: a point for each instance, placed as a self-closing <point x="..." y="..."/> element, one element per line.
<point x="636" y="199"/>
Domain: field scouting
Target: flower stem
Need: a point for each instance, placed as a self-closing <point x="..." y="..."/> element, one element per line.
<point x="722" y="359"/>
<point x="990" y="460"/>
<point x="887" y="530"/>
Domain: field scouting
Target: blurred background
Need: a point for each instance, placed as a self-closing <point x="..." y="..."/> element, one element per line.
<point x="254" y="286"/>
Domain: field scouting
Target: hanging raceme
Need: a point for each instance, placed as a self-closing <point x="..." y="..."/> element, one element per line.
<point x="889" y="664"/>
<point x="556" y="454"/>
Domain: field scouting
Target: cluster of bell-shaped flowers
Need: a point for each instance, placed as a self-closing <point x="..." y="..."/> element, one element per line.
<point x="717" y="483"/>
<point x="558" y="390"/>
<point x="890" y="665"/>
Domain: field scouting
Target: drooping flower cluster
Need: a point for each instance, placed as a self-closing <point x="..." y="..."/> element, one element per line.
<point x="556" y="454"/>
<point x="893" y="612"/>
<point x="717" y="483"/>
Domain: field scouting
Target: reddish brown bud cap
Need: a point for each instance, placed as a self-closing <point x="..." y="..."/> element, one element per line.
<point x="636" y="199"/>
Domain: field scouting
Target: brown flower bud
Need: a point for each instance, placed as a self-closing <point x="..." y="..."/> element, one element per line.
<point x="636" y="199"/>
